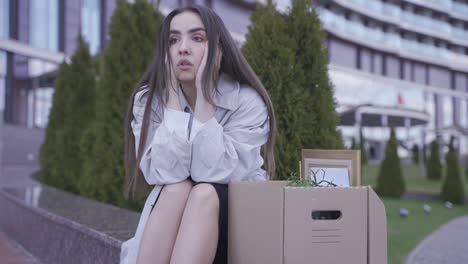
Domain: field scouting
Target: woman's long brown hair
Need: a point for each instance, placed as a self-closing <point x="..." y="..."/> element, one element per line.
<point x="156" y="77"/>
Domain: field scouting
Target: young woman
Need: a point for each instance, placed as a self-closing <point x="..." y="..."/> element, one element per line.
<point x="198" y="119"/>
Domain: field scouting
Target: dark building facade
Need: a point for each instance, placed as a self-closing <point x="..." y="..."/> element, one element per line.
<point x="36" y="36"/>
<point x="400" y="63"/>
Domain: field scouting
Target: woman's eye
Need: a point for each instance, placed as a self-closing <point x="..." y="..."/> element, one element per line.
<point x="198" y="39"/>
<point x="172" y="41"/>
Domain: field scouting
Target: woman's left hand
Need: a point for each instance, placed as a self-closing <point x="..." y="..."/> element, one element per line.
<point x="203" y="109"/>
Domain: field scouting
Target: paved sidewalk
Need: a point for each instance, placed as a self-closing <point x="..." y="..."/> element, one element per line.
<point x="19" y="149"/>
<point x="448" y="244"/>
<point x="12" y="253"/>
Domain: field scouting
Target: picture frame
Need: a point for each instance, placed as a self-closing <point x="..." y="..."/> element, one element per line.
<point x="340" y="160"/>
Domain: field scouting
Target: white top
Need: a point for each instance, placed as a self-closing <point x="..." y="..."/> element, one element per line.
<point x="225" y="148"/>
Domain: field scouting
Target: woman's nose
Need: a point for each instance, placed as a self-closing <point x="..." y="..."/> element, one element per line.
<point x="183" y="48"/>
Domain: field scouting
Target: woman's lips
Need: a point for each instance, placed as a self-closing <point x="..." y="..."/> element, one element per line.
<point x="184" y="64"/>
<point x="184" y="67"/>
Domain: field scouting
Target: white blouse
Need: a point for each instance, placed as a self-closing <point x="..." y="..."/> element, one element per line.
<point x="225" y="148"/>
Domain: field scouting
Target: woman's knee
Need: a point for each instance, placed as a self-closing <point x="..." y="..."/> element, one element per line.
<point x="204" y="195"/>
<point x="180" y="188"/>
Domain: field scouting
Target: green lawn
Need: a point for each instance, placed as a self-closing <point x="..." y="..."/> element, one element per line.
<point x="413" y="180"/>
<point x="405" y="234"/>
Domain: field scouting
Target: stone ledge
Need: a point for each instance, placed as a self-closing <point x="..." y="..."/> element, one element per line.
<point x="52" y="238"/>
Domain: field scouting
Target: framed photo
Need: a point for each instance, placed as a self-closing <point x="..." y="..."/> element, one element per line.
<point x="340" y="167"/>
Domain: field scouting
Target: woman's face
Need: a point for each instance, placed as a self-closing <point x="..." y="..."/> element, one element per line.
<point x="187" y="43"/>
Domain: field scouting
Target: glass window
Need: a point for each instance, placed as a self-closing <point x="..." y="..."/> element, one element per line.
<point x="366" y="63"/>
<point x="40" y="94"/>
<point x="4" y="33"/>
<point x="430" y="108"/>
<point x="419" y="72"/>
<point x="407" y="70"/>
<point x="447" y="111"/>
<point x="4" y="18"/>
<point x="90" y="24"/>
<point x="377" y="63"/>
<point x="43" y="31"/>
<point x="461" y="82"/>
<point x="342" y="53"/>
<point x="464" y="113"/>
<point x="42" y="106"/>
<point x="2" y="79"/>
<point x="463" y="145"/>
<point x="392" y="66"/>
<point x="439" y="77"/>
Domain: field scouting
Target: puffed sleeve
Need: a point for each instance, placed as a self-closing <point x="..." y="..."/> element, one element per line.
<point x="223" y="154"/>
<point x="167" y="154"/>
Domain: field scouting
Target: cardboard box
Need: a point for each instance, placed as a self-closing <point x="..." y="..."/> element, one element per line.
<point x="271" y="223"/>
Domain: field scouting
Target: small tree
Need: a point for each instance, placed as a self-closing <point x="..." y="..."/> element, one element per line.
<point x="80" y="110"/>
<point x="71" y="114"/>
<point x="133" y="29"/>
<point x="311" y="57"/>
<point x="415" y="153"/>
<point x="424" y="152"/>
<point x="452" y="188"/>
<point x="362" y="147"/>
<point x="433" y="165"/>
<point x="271" y="52"/>
<point x="390" y="181"/>
<point x="287" y="53"/>
<point x="353" y="143"/>
<point x="50" y="158"/>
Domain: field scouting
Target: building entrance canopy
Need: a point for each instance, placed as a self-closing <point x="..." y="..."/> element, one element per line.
<point x="380" y="116"/>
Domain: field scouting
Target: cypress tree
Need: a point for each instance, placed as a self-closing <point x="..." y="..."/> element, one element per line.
<point x="79" y="110"/>
<point x="353" y="143"/>
<point x="362" y="147"/>
<point x="415" y="153"/>
<point x="86" y="184"/>
<point x="50" y="157"/>
<point x="287" y="53"/>
<point x="71" y="114"/>
<point x="424" y="150"/>
<point x="433" y="165"/>
<point x="311" y="56"/>
<point x="133" y="29"/>
<point x="390" y="181"/>
<point x="270" y="52"/>
<point x="452" y="188"/>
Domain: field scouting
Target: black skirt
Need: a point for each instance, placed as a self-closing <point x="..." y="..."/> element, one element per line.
<point x="221" y="250"/>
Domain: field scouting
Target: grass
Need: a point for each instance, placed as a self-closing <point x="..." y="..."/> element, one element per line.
<point x="405" y="234"/>
<point x="413" y="180"/>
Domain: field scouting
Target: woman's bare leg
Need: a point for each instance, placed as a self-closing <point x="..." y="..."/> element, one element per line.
<point x="163" y="223"/>
<point x="198" y="233"/>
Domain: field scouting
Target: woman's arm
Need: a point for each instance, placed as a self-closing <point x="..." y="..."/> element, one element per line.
<point x="167" y="154"/>
<point x="222" y="154"/>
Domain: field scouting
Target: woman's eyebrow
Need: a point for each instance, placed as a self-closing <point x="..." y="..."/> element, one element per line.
<point x="173" y="31"/>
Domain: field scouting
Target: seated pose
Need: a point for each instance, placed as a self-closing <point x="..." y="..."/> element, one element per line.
<point x="198" y="119"/>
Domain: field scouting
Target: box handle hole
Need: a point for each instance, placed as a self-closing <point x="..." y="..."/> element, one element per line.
<point x="326" y="215"/>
